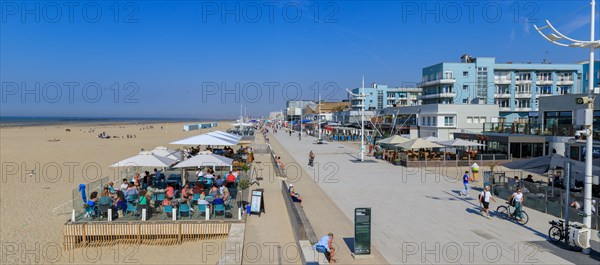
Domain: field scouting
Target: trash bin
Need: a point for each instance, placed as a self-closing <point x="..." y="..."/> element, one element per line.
<point x="248" y="209"/>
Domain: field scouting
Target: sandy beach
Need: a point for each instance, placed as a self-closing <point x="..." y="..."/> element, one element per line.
<point x="34" y="207"/>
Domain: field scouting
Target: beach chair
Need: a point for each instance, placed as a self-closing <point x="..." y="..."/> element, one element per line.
<point x="167" y="211"/>
<point x="201" y="209"/>
<point x="131" y="208"/>
<point x="219" y="208"/>
<point x="132" y="198"/>
<point x="160" y="197"/>
<point x="184" y="208"/>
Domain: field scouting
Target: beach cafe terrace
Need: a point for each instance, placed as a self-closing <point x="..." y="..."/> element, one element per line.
<point x="155" y="222"/>
<point x="430" y="151"/>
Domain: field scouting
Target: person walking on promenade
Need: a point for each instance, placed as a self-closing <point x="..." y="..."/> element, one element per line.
<point x="466" y="180"/>
<point x="299" y="136"/>
<point x="484" y="197"/>
<point x="311" y="158"/>
<point x="325" y="246"/>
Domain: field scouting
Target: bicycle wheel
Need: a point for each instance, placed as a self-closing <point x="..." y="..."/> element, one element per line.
<point x="555" y="233"/>
<point x="523" y="219"/>
<point x="502" y="212"/>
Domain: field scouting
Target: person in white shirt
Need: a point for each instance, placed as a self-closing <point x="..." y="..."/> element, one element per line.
<point x="124" y="185"/>
<point x="485" y="198"/>
<point x="199" y="173"/>
<point x="517" y="200"/>
<point x="209" y="176"/>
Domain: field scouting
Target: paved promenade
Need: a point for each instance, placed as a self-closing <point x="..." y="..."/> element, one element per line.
<point x="269" y="238"/>
<point x="418" y="216"/>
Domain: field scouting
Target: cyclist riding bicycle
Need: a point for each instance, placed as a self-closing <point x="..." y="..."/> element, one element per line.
<point x="516" y="199"/>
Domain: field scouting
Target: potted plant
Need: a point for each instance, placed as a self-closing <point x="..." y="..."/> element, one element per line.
<point x="397" y="161"/>
<point x="243" y="185"/>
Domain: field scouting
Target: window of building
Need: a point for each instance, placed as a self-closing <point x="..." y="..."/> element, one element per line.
<point x="564" y="90"/>
<point x="482" y="119"/>
<point x="482" y="83"/>
<point x="448" y="121"/>
<point x="465" y="74"/>
<point x="433" y="121"/>
<point x="448" y="75"/>
<point x="544" y="76"/>
<point x="469" y="119"/>
<point x="465" y="101"/>
<point x="545" y="90"/>
<point x="465" y="87"/>
<point x="523" y="76"/>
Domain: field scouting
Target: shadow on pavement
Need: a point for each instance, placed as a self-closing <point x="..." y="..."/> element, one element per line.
<point x="350" y="243"/>
<point x="559" y="249"/>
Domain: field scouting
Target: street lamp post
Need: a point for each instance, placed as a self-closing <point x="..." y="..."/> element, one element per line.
<point x="362" y="119"/>
<point x="556" y="37"/>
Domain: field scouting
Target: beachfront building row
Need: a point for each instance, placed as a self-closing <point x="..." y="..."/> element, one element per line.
<point x="515" y="88"/>
<point x="378" y="97"/>
<point x="552" y="132"/>
<point x="294" y="109"/>
<point x="438" y="120"/>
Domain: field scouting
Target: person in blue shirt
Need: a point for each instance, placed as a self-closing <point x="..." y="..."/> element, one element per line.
<point x="466" y="179"/>
<point x="218" y="200"/>
<point x="325" y="245"/>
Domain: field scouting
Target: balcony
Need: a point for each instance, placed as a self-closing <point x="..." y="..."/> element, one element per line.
<point x="521" y="82"/>
<point x="523" y="95"/>
<point x="522" y="109"/>
<point x="503" y="95"/>
<point x="438" y="95"/>
<point x="544" y="82"/>
<point x="505" y="109"/>
<point x="447" y="81"/>
<point x="502" y="81"/>
<point x="564" y="82"/>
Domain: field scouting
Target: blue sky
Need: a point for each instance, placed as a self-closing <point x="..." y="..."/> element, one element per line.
<point x="186" y="58"/>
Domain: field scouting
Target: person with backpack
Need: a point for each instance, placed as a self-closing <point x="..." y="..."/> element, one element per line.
<point x="484" y="198"/>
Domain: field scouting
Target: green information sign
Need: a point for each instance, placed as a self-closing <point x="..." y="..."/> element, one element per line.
<point x="362" y="231"/>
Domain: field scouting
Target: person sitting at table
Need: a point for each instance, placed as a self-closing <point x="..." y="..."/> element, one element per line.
<point x="219" y="181"/>
<point x="131" y="190"/>
<point x="198" y="188"/>
<point x="218" y="200"/>
<point x="224" y="192"/>
<point x="105" y="198"/>
<point x="170" y="191"/>
<point x="199" y="173"/>
<point x="214" y="190"/>
<point x="186" y="192"/>
<point x="120" y="203"/>
<point x="209" y="175"/>
<point x="230" y="177"/>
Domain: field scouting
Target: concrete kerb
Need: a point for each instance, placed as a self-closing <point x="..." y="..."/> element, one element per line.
<point x="233" y="252"/>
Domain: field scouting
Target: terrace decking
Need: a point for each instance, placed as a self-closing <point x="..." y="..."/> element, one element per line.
<point x="96" y="234"/>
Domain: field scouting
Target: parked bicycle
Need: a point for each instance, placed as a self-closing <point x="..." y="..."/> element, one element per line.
<point x="505" y="212"/>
